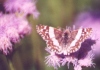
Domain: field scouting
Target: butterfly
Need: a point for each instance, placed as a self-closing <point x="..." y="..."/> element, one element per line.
<point x="63" y="41"/>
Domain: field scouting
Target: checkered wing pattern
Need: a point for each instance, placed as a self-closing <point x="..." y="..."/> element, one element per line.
<point x="55" y="38"/>
<point x="81" y="36"/>
<point x="48" y="34"/>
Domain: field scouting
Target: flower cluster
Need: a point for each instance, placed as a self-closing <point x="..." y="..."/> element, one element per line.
<point x="85" y="55"/>
<point x="23" y="7"/>
<point x="12" y="28"/>
<point x="14" y="24"/>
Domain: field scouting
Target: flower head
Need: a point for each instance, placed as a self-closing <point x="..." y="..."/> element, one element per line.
<point x="12" y="29"/>
<point x="83" y="57"/>
<point x="24" y="7"/>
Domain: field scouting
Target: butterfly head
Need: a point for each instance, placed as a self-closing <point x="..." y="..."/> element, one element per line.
<point x="66" y="34"/>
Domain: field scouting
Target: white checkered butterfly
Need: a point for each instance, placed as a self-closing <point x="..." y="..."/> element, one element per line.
<point x="65" y="41"/>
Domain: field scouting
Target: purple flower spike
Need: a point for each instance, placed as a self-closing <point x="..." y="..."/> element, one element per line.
<point x="23" y="7"/>
<point x="12" y="29"/>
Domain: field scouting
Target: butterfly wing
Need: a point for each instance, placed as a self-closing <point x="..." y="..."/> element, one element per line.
<point x="81" y="35"/>
<point x="50" y="35"/>
<point x="53" y="38"/>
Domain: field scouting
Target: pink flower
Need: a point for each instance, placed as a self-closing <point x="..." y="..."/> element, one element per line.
<point x="23" y="7"/>
<point x="12" y="29"/>
<point x="83" y="57"/>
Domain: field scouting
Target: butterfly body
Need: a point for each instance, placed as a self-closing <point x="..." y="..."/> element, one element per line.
<point x="65" y="41"/>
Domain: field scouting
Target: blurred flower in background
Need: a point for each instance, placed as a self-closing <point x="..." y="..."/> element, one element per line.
<point x="23" y="7"/>
<point x="14" y="25"/>
<point x="12" y="29"/>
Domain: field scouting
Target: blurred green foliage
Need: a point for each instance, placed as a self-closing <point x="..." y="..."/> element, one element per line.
<point x="30" y="54"/>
